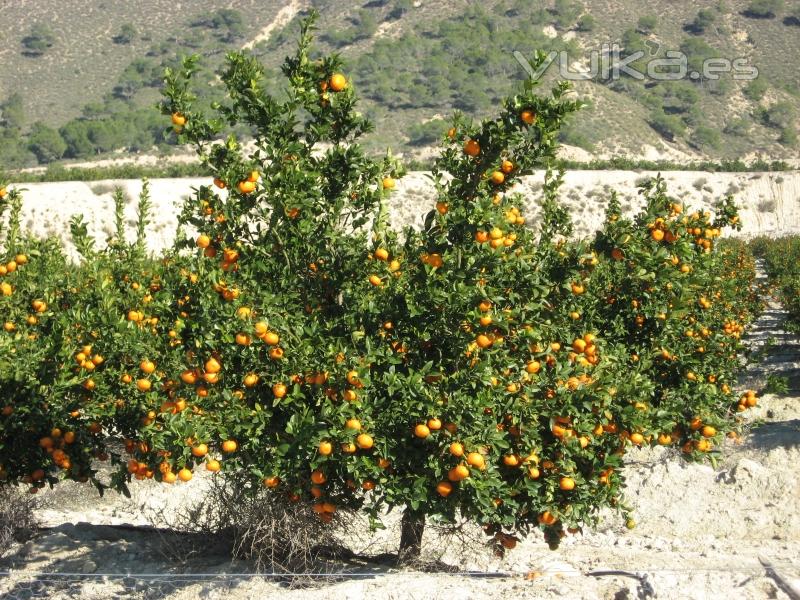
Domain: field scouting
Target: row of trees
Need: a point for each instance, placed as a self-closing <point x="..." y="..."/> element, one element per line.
<point x="319" y="358"/>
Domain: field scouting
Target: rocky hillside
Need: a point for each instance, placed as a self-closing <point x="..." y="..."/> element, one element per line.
<point x="78" y="79"/>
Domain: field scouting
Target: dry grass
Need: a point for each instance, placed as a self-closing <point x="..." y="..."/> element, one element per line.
<point x="261" y="526"/>
<point x="17" y="521"/>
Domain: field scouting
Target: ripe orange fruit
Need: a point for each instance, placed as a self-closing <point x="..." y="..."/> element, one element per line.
<point x="483" y="341"/>
<point x="279" y="390"/>
<point x="184" y="474"/>
<point x="364" y="441"/>
<point x="213" y="466"/>
<point x="271" y="338"/>
<point x="511" y="460"/>
<point x="247" y="187"/>
<point x="318" y="477"/>
<point x="458" y="473"/>
<point x="203" y="241"/>
<point x="422" y="430"/>
<point x="229" y="446"/>
<point x="272" y="482"/>
<point x="147" y="366"/>
<point x="325" y="448"/>
<point x="533" y="366"/>
<point x="457" y="449"/>
<point x="708" y="431"/>
<point x="388" y="183"/>
<point x="382" y="254"/>
<point x="497" y="177"/>
<point x="657" y="235"/>
<point x="143" y="385"/>
<point x="375" y="280"/>
<point x="434" y="424"/>
<point x="507" y="166"/>
<point x="472" y="148"/>
<point x="547" y="518"/>
<point x="566" y="483"/>
<point x="475" y="459"/>
<point x="702" y="445"/>
<point x="637" y="438"/>
<point x="528" y="117"/>
<point x="444" y="488"/>
<point x="200" y="450"/>
<point x="178" y="119"/>
<point x="213" y="366"/>
<point x="337" y="82"/>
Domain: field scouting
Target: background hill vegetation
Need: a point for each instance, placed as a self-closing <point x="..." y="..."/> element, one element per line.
<point x="78" y="80"/>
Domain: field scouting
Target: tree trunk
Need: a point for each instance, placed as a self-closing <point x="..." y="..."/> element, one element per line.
<point x="412" y="528"/>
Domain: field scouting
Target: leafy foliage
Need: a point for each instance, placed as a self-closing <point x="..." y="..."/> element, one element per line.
<point x="38" y="41"/>
<point x="292" y="340"/>
<point x="764" y="9"/>
<point x="782" y="259"/>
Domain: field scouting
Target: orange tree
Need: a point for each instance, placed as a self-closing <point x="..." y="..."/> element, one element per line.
<point x="524" y="367"/>
<point x="317" y="353"/>
<point x="781" y="259"/>
<point x="65" y="342"/>
<point x="467" y="370"/>
<point x="262" y="303"/>
<point x="676" y="305"/>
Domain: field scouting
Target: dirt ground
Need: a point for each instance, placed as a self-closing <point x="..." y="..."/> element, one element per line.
<point x="702" y="532"/>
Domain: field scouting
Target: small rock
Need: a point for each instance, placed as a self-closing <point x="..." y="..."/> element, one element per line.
<point x="27" y="549"/>
<point x="748" y="469"/>
<point x="88" y="566"/>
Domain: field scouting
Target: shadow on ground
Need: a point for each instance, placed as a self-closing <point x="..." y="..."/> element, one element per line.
<point x="113" y="561"/>
<point x="776" y="434"/>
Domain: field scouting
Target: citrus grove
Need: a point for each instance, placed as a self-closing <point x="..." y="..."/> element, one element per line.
<point x="782" y="260"/>
<point x="482" y="367"/>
